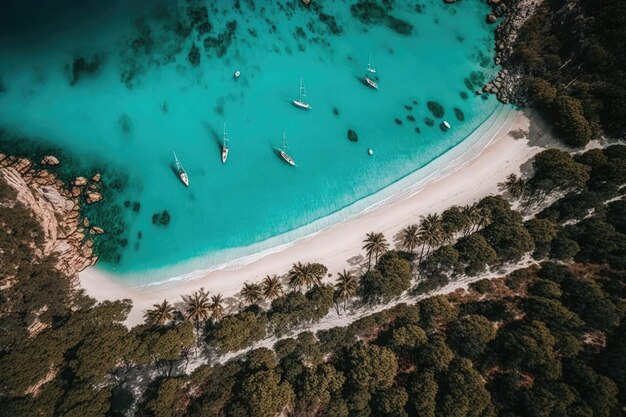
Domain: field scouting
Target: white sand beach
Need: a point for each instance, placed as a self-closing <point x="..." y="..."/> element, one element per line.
<point x="338" y="246"/>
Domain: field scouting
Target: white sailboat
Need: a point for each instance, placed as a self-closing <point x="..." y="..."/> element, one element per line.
<point x="369" y="77"/>
<point x="182" y="174"/>
<point x="301" y="103"/>
<point x="283" y="154"/>
<point x="225" y="146"/>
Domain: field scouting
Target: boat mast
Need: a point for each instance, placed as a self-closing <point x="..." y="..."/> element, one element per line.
<point x="225" y="139"/>
<point x="370" y="65"/>
<point x="284" y="141"/>
<point x="302" y="92"/>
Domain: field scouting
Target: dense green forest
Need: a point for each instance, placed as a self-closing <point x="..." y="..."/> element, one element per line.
<point x="572" y="55"/>
<point x="542" y="341"/>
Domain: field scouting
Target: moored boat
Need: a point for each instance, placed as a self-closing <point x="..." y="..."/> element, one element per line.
<point x="284" y="155"/>
<point x="370" y="78"/>
<point x="301" y="102"/>
<point x="182" y="174"/>
<point x="225" y="146"/>
<point x="371" y="83"/>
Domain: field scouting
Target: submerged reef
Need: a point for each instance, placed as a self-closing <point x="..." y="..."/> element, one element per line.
<point x="199" y="19"/>
<point x="371" y="12"/>
<point x="331" y="22"/>
<point x="459" y="114"/>
<point x="81" y="67"/>
<point x="194" y="55"/>
<point x="352" y="136"/>
<point x="436" y="109"/>
<point x="161" y="219"/>
<point x="221" y="43"/>
<point x="475" y="81"/>
<point x="125" y="123"/>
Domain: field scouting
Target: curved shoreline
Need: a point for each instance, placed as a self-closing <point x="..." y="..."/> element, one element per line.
<point x="498" y="155"/>
<point x="402" y="188"/>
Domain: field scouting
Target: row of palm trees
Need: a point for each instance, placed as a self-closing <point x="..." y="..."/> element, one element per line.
<point x="199" y="307"/>
<point x="300" y="276"/>
<point x="269" y="289"/>
<point x="520" y="188"/>
<point x="429" y="234"/>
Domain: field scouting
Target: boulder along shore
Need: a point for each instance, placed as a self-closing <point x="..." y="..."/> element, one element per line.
<point x="57" y="207"/>
<point x="511" y="15"/>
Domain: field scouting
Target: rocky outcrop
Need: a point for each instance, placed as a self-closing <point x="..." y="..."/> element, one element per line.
<point x="93" y="197"/>
<point x="506" y="85"/>
<point x="57" y="208"/>
<point x="50" y="160"/>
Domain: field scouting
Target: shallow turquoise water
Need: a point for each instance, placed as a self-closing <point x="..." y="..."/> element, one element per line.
<point x="171" y="105"/>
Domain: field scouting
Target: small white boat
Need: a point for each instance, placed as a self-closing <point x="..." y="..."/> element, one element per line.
<point x="182" y="174"/>
<point x="237" y="74"/>
<point x="446" y="125"/>
<point x="370" y="77"/>
<point x="225" y="146"/>
<point x="370" y="152"/>
<point x="301" y="103"/>
<point x="371" y="83"/>
<point x="284" y="155"/>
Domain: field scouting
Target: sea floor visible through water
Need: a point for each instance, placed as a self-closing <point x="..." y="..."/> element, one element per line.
<point x="122" y="86"/>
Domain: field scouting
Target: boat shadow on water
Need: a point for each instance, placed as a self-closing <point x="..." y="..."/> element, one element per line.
<point x="213" y="135"/>
<point x="361" y="80"/>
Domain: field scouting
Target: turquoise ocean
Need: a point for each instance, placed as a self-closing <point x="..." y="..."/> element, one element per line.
<point x="114" y="84"/>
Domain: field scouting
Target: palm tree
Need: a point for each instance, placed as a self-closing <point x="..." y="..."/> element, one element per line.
<point x="217" y="309"/>
<point x="469" y="212"/>
<point x="272" y="287"/>
<point x="478" y="218"/>
<point x="516" y="186"/>
<point x="410" y="237"/>
<point x="345" y="287"/>
<point x="251" y="293"/>
<point x="161" y="314"/>
<point x="302" y="275"/>
<point x="198" y="307"/>
<point x="375" y="244"/>
<point x="483" y="218"/>
<point x="431" y="233"/>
